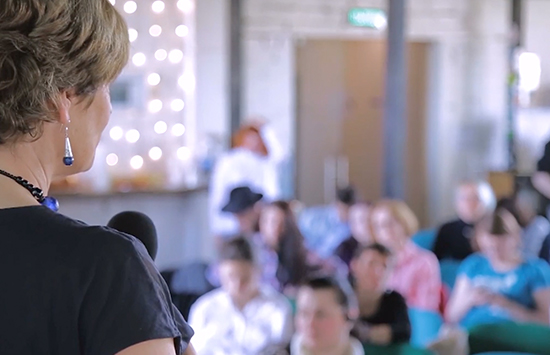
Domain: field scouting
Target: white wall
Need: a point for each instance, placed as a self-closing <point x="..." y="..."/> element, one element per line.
<point x="212" y="65"/>
<point x="180" y="220"/>
<point x="533" y="126"/>
<point x="536" y="29"/>
<point x="469" y="42"/>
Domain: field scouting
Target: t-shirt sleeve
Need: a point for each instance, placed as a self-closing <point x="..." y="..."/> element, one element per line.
<point x="428" y="282"/>
<point x="127" y="302"/>
<point x="400" y="323"/>
<point x="541" y="275"/>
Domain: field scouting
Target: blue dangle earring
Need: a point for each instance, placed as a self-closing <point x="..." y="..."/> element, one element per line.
<point x="68" y="158"/>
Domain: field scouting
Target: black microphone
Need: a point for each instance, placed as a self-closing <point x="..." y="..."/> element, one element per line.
<point x="138" y="225"/>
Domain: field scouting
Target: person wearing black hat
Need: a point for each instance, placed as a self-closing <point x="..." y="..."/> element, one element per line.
<point x="244" y="205"/>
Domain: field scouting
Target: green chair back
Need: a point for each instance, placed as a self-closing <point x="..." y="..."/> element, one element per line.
<point x="399" y="349"/>
<point x="511" y="337"/>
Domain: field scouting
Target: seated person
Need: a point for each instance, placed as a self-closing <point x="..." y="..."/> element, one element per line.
<point x="472" y="201"/>
<point x="416" y="275"/>
<point x="243" y="317"/>
<point x="244" y="204"/>
<point x="383" y="314"/>
<point x="325" y="315"/>
<point x="541" y="179"/>
<point x="535" y="228"/>
<point x="325" y="227"/>
<point x="499" y="284"/>
<point x="281" y="250"/>
<point x="359" y="215"/>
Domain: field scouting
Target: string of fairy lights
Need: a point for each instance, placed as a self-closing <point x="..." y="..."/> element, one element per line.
<point x="150" y="132"/>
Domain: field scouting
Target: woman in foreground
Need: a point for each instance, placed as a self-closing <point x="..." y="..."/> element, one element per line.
<point x="68" y="288"/>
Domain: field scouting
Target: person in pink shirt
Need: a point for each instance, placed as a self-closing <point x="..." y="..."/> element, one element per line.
<point x="416" y="273"/>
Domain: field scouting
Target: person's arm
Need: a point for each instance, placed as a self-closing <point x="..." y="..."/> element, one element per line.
<point x="380" y="334"/>
<point x="277" y="153"/>
<point x="523" y="314"/>
<point x="428" y="283"/>
<point x="190" y="350"/>
<point x="157" y="347"/>
<point x="538" y="283"/>
<point x="464" y="298"/>
<point x="541" y="181"/>
<point x="127" y="307"/>
<point x="400" y="323"/>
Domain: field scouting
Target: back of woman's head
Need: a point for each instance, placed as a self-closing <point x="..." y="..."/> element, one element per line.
<point x="292" y="250"/>
<point x="48" y="47"/>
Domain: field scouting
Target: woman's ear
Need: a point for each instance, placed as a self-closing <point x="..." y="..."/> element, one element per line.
<point x="64" y="105"/>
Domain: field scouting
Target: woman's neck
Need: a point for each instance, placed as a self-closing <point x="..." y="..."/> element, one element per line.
<point x="342" y="348"/>
<point x="399" y="247"/>
<point x="23" y="161"/>
<point x="504" y="265"/>
<point x="368" y="299"/>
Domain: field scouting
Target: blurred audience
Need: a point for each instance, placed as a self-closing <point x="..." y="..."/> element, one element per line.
<point x="284" y="257"/>
<point x="282" y="252"/>
<point x="326" y="310"/>
<point x="253" y="162"/>
<point x="383" y="314"/>
<point x="499" y="284"/>
<point x="416" y="274"/>
<point x="359" y="215"/>
<point x="245" y="206"/>
<point x="536" y="229"/>
<point x="472" y="201"/>
<point x="244" y="316"/>
<point x="325" y="227"/>
<point x="541" y="179"/>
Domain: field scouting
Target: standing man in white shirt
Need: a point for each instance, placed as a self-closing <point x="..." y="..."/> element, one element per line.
<point x="243" y="317"/>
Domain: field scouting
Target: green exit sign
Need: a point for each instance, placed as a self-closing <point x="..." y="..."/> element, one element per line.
<point x="367" y="17"/>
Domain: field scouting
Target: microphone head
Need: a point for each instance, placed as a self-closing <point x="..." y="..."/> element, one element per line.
<point x="138" y="225"/>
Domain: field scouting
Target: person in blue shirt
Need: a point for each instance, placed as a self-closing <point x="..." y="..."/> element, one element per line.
<point x="498" y="284"/>
<point x="325" y="227"/>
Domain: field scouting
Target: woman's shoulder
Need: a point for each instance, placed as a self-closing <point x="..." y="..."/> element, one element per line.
<point x="83" y="240"/>
<point x="475" y="263"/>
<point x="422" y="254"/>
<point x="537" y="265"/>
<point x="476" y="259"/>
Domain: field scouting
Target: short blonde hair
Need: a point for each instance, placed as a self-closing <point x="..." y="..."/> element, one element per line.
<point x="401" y="212"/>
<point x="51" y="46"/>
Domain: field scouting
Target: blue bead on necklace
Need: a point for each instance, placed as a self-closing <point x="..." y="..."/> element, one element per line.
<point x="36" y="192"/>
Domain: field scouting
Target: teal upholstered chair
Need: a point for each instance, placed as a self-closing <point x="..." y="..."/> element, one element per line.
<point x="425" y="326"/>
